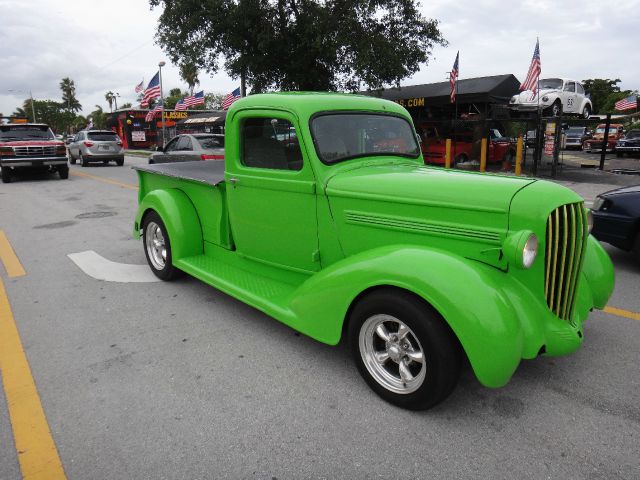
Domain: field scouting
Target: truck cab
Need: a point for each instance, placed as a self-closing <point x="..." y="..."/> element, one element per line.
<point x="324" y="216"/>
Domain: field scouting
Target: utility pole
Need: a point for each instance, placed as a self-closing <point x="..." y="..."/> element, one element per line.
<point x="33" y="109"/>
<point x="160" y="65"/>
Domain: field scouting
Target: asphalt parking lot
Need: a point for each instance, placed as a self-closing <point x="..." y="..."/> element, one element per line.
<point x="155" y="380"/>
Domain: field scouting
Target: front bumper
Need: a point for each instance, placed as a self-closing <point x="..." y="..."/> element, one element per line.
<point x="628" y="149"/>
<point x="33" y="162"/>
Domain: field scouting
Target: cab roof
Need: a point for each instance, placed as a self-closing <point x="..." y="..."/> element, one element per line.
<point x="309" y="103"/>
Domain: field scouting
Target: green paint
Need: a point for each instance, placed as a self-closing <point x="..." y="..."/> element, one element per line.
<point x="302" y="245"/>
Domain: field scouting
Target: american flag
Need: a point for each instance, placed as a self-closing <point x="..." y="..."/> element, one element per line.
<point x="197" y="99"/>
<point x="531" y="82"/>
<point x="627" y="103"/>
<point x="453" y="78"/>
<point x="152" y="113"/>
<point x="229" y="99"/>
<point x="180" y="105"/>
<point x="152" y="90"/>
<point x="139" y="87"/>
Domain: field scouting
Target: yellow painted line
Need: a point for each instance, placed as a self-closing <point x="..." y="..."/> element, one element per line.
<point x="75" y="173"/>
<point x="9" y="258"/>
<point x="622" y="313"/>
<point x="37" y="453"/>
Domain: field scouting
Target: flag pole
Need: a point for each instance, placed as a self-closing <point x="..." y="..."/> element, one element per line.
<point x="160" y="65"/>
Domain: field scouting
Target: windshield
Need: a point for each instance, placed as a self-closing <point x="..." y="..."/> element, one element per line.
<point x="612" y="130"/>
<point x="548" y="83"/>
<point x="341" y="136"/>
<point x="216" y="141"/>
<point x="25" y="132"/>
<point x="575" y="131"/>
<point x="103" y="136"/>
<point x="633" y="134"/>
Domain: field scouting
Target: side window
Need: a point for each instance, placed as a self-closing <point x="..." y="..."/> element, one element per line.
<point x="184" y="144"/>
<point x="172" y="145"/>
<point x="580" y="88"/>
<point x="270" y="143"/>
<point x="570" y="87"/>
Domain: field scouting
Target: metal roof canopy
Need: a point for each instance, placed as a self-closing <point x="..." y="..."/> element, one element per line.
<point x="214" y="117"/>
<point x="492" y="89"/>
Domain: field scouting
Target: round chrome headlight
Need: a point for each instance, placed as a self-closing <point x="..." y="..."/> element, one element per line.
<point x="545" y="99"/>
<point x="530" y="251"/>
<point x="589" y="220"/>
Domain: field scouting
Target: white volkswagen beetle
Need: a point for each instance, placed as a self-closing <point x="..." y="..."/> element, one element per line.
<point x="556" y="95"/>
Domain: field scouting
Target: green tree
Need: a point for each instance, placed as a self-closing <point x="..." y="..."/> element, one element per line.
<point x="175" y="94"/>
<point x="213" y="101"/>
<point x="126" y="105"/>
<point x="189" y="73"/>
<point x="600" y="89"/>
<point x="98" y="117"/>
<point x="300" y="45"/>
<point x="69" y="99"/>
<point x="110" y="97"/>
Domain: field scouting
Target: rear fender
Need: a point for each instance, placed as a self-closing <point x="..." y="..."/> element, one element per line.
<point x="467" y="294"/>
<point x="180" y="219"/>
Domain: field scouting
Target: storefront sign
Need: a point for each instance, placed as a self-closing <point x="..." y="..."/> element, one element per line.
<point x="175" y="115"/>
<point x="411" y="102"/>
<point x="138" y="136"/>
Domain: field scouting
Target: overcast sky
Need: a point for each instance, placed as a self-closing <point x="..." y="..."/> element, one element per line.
<point x="109" y="45"/>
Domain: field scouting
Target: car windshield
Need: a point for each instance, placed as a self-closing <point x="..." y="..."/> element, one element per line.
<point x="549" y="83"/>
<point x="103" y="136"/>
<point x="612" y="130"/>
<point x="633" y="134"/>
<point x="342" y="136"/>
<point x="575" y="131"/>
<point x="214" y="141"/>
<point x="25" y="132"/>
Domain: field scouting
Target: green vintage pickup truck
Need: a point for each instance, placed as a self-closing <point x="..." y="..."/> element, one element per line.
<point x="324" y="217"/>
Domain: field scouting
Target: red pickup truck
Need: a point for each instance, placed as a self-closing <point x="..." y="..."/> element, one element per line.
<point x="31" y="145"/>
<point x="434" y="146"/>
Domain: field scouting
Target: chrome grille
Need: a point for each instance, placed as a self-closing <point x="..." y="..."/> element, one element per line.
<point x="566" y="240"/>
<point x="35" y="151"/>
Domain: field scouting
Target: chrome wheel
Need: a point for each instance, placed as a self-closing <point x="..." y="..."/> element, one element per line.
<point x="392" y="354"/>
<point x="156" y="245"/>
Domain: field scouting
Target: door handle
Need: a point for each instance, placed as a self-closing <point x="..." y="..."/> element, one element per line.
<point x="233" y="180"/>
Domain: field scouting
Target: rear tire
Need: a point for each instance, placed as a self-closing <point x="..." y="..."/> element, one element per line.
<point x="63" y="170"/>
<point x="157" y="247"/>
<point x="72" y="159"/>
<point x="404" y="349"/>
<point x="462" y="158"/>
<point x="83" y="161"/>
<point x="586" y="112"/>
<point x="6" y="175"/>
<point x="120" y="162"/>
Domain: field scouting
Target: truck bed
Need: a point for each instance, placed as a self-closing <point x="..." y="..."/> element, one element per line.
<point x="210" y="172"/>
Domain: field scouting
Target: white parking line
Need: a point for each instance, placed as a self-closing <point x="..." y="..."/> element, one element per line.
<point x="98" y="267"/>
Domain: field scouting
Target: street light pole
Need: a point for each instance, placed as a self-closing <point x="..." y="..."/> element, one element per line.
<point x="160" y="65"/>
<point x="33" y="109"/>
<point x="115" y="99"/>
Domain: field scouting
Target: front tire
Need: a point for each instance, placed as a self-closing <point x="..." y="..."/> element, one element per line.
<point x="6" y="175"/>
<point x="63" y="171"/>
<point x="556" y="109"/>
<point x="83" y="161"/>
<point x="157" y="247"/>
<point x="72" y="159"/>
<point x="404" y="349"/>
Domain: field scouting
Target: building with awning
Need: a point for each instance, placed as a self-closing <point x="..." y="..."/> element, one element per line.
<point x="208" y="122"/>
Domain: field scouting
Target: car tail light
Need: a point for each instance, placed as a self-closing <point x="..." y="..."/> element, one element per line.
<point x="118" y="142"/>
<point x="88" y="144"/>
<point x="6" y="152"/>
<point x="204" y="156"/>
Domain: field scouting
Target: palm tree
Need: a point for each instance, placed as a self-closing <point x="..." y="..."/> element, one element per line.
<point x="109" y="97"/>
<point x="189" y="73"/>
<point x="69" y="99"/>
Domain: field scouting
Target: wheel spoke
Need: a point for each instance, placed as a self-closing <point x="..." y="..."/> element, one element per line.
<point x="382" y="332"/>
<point x="381" y="357"/>
<point x="405" y="373"/>
<point x="415" y="356"/>
<point x="402" y="331"/>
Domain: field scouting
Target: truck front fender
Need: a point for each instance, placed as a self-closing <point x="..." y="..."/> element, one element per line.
<point x="466" y="293"/>
<point x="179" y="217"/>
<point x="598" y="271"/>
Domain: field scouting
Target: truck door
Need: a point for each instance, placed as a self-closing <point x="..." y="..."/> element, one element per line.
<point x="271" y="191"/>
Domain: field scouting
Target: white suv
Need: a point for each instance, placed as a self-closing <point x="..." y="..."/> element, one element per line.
<point x="556" y="95"/>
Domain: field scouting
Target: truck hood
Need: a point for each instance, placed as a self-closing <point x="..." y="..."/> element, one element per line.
<point x="527" y="97"/>
<point x="419" y="185"/>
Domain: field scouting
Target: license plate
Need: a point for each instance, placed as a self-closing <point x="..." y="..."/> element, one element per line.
<point x="104" y="148"/>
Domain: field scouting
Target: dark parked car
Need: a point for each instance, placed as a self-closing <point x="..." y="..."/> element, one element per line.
<point x="616" y="218"/>
<point x="575" y="137"/>
<point x="630" y="144"/>
<point x="187" y="148"/>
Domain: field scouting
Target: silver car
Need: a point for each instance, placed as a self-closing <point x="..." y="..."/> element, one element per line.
<point x="191" y="147"/>
<point x="96" y="146"/>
